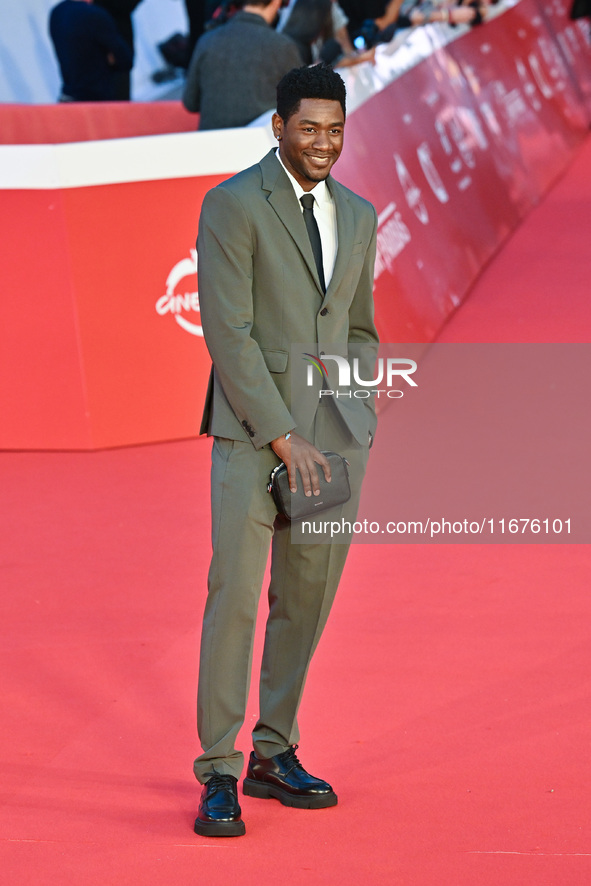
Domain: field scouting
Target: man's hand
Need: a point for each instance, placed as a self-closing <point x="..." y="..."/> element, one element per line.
<point x="461" y="15"/>
<point x="300" y="455"/>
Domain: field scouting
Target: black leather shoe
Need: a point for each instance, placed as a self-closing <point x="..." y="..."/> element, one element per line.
<point x="219" y="810"/>
<point x="284" y="778"/>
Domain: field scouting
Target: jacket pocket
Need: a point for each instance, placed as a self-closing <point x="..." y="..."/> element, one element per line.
<point x="276" y="361"/>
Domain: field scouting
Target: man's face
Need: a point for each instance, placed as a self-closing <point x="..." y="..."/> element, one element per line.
<point x="311" y="141"/>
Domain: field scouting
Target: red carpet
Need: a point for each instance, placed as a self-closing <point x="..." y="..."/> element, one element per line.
<point x="448" y="701"/>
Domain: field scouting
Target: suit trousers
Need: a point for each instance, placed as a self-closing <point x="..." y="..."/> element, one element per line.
<point x="303" y="584"/>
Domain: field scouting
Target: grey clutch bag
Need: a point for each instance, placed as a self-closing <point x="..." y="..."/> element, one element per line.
<point x="296" y="505"/>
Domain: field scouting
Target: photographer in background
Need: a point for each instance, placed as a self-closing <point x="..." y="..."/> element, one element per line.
<point x="235" y="67"/>
<point x="89" y="50"/>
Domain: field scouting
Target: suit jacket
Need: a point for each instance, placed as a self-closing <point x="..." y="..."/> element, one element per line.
<point x="259" y="295"/>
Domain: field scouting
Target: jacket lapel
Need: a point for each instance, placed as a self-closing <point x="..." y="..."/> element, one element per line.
<point x="284" y="202"/>
<point x="345" y="234"/>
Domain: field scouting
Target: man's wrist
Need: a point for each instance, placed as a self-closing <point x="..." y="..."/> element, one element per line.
<point x="278" y="442"/>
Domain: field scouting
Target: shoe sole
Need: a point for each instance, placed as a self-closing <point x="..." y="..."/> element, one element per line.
<point x="219" y="828"/>
<point x="262" y="791"/>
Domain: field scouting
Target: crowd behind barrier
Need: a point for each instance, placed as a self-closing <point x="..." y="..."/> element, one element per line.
<point x="162" y="33"/>
<point x="233" y="72"/>
<point x="454" y="137"/>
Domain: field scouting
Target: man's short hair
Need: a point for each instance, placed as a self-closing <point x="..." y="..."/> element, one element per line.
<point x="317" y="81"/>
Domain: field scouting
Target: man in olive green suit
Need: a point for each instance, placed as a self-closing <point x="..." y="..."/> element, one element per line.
<point x="267" y="282"/>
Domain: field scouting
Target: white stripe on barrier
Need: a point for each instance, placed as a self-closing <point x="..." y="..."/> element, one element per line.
<point x="145" y="158"/>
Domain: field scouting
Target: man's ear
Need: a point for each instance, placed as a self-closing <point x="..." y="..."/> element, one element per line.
<point x="277" y="124"/>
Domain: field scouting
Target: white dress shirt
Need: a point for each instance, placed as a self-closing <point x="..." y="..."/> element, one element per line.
<point x="326" y="219"/>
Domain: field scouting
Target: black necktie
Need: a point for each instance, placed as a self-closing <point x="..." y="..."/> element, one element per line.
<point x="307" y="201"/>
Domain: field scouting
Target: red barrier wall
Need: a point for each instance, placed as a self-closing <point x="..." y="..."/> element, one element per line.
<point x="100" y="337"/>
<point x="81" y="121"/>
<point x="453" y="154"/>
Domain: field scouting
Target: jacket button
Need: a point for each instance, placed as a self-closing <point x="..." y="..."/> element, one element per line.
<point x="324" y="312"/>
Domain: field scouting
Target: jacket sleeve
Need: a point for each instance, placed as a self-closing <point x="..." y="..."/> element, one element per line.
<point x="225" y="248"/>
<point x="192" y="90"/>
<point x="112" y="42"/>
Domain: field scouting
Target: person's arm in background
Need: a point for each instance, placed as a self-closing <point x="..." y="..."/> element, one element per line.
<point x="192" y="90"/>
<point x="118" y="51"/>
<point x="390" y="14"/>
<point x="446" y="14"/>
<point x="339" y="28"/>
<point x="453" y="15"/>
<point x="350" y="55"/>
